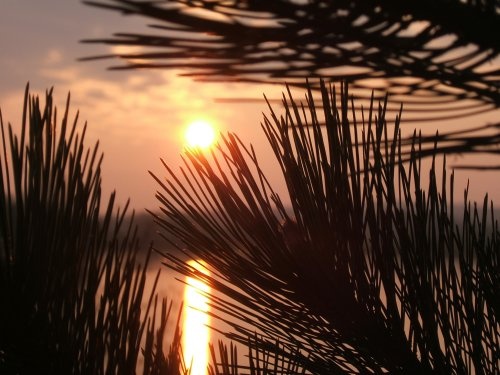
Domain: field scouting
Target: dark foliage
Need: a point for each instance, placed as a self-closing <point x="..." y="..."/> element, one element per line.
<point x="368" y="272"/>
<point x="438" y="57"/>
<point x="72" y="290"/>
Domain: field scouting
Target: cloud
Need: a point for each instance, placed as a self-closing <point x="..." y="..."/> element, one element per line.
<point x="53" y="56"/>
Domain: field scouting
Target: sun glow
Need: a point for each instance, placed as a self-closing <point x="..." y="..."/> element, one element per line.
<point x="195" y="332"/>
<point x="200" y="134"/>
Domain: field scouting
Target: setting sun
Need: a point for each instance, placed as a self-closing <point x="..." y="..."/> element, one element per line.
<point x="200" y="134"/>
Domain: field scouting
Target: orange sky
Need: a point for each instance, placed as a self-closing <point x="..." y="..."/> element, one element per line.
<point x="138" y="116"/>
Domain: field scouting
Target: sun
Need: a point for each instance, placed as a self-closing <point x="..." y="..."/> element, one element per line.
<point x="200" y="134"/>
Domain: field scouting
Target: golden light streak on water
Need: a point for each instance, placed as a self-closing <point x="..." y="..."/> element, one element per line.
<point x="195" y="331"/>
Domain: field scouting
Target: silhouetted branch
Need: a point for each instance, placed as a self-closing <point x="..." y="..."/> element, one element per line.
<point x="73" y="297"/>
<point x="417" y="50"/>
<point x="367" y="271"/>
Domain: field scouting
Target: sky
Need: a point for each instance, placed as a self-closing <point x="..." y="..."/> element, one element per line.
<point x="137" y="116"/>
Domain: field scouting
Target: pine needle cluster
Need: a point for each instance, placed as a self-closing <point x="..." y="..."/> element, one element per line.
<point x="367" y="271"/>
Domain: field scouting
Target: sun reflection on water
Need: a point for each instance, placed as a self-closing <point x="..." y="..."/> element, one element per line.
<point x="195" y="323"/>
